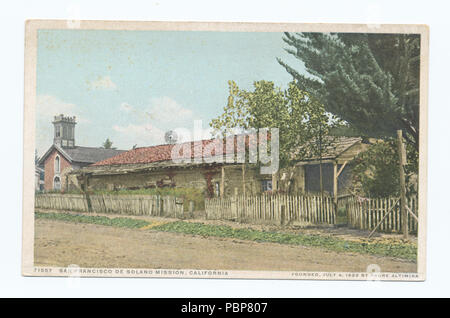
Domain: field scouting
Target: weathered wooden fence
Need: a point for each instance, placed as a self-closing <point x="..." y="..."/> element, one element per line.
<point x="278" y="209"/>
<point x="366" y="214"/>
<point x="56" y="201"/>
<point x="155" y="205"/>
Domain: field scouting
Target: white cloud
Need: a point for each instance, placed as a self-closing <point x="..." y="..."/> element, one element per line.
<point x="103" y="82"/>
<point x="48" y="105"/>
<point x="137" y="129"/>
<point x="192" y="134"/>
<point x="167" y="110"/>
<point x="142" y="135"/>
<point x="149" y="126"/>
<point x="126" y="107"/>
<point x="161" y="111"/>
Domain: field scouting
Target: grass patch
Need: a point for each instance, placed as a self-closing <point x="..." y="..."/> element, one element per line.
<point x="94" y="219"/>
<point x="403" y="250"/>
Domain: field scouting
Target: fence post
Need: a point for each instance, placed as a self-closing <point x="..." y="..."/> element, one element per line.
<point x="402" y="162"/>
<point x="158" y="205"/>
<point x="283" y="215"/>
<point x="88" y="201"/>
<point x="191" y="209"/>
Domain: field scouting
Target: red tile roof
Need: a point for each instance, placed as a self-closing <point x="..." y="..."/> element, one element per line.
<point x="164" y="153"/>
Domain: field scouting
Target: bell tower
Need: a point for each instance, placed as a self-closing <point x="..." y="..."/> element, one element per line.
<point x="64" y="135"/>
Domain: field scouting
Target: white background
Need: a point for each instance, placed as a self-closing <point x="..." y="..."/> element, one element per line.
<point x="13" y="15"/>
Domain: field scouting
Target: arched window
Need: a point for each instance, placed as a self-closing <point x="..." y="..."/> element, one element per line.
<point x="57" y="164"/>
<point x="57" y="183"/>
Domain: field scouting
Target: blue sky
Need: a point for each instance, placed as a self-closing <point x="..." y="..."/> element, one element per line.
<point x="132" y="86"/>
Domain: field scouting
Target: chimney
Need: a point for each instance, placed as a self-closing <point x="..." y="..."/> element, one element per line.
<point x="64" y="131"/>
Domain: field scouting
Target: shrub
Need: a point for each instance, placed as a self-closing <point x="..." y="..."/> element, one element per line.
<point x="376" y="171"/>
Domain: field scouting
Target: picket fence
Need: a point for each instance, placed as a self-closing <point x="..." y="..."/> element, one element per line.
<point x="56" y="201"/>
<point x="154" y="205"/>
<point x="276" y="208"/>
<point x="360" y="213"/>
<point x="366" y="214"/>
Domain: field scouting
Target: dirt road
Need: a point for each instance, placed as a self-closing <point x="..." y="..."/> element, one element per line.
<point x="61" y="244"/>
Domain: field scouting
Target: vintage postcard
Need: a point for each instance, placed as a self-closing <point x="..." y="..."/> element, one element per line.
<point x="225" y="150"/>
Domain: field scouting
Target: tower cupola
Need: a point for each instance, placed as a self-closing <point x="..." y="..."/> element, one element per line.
<point x="64" y="131"/>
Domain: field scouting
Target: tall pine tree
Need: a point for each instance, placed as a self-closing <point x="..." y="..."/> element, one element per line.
<point x="369" y="80"/>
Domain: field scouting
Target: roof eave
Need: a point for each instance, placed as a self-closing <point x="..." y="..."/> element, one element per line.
<point x="49" y="151"/>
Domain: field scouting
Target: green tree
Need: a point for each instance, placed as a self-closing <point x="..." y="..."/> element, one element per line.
<point x="108" y="144"/>
<point x="304" y="126"/>
<point x="369" y="80"/>
<point x="375" y="172"/>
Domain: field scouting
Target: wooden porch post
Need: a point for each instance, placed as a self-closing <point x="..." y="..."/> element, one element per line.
<point x="86" y="192"/>
<point x="243" y="179"/>
<point x="336" y="175"/>
<point x="86" y="183"/>
<point x="222" y="182"/>
<point x="274" y="182"/>
<point x="402" y="162"/>
<point x="335" y="184"/>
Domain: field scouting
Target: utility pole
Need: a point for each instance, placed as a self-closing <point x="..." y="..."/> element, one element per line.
<point x="402" y="162"/>
<point x="243" y="179"/>
<point x="222" y="183"/>
<point x="320" y="160"/>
